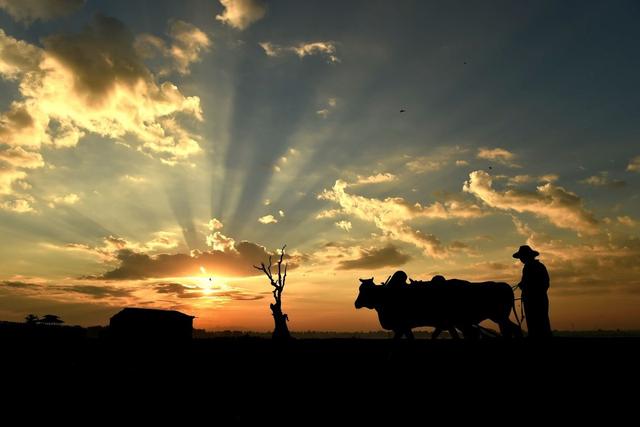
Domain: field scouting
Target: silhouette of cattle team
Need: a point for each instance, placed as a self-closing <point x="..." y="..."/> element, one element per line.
<point x="458" y="305"/>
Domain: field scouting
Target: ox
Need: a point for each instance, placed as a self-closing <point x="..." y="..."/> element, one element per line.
<point x="445" y="304"/>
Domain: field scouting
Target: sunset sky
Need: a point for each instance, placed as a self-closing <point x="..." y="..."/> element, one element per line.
<point x="148" y="146"/>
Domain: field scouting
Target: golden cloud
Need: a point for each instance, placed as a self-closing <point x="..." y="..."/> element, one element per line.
<point x="603" y="180"/>
<point x="267" y="219"/>
<point x="376" y="179"/>
<point x="241" y="13"/>
<point x="634" y="164"/>
<point x="93" y="81"/>
<point x="111" y="245"/>
<point x="17" y="205"/>
<point x="323" y="48"/>
<point x="425" y="164"/>
<point x="392" y="214"/>
<point x="188" y="43"/>
<point x="562" y="208"/>
<point x="344" y="225"/>
<point x="499" y="155"/>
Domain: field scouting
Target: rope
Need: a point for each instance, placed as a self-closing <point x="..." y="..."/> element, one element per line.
<point x="520" y="320"/>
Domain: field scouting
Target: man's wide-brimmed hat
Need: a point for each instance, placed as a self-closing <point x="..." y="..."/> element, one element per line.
<point x="525" y="251"/>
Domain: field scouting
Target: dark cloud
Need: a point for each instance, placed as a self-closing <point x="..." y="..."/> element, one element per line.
<point x="177" y="289"/>
<point x="104" y="291"/>
<point x="387" y="256"/>
<point x="240" y="296"/>
<point x="95" y="291"/>
<point x="20" y="285"/>
<point x="183" y="291"/>
<point x="96" y="74"/>
<point x="239" y="262"/>
<point x="27" y="11"/>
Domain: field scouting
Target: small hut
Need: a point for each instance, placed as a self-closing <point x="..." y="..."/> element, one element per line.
<point x="147" y="323"/>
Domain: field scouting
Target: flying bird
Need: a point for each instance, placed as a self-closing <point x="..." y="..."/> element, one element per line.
<point x="402" y="110"/>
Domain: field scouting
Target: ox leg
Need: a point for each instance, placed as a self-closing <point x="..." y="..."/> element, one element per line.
<point x="398" y="333"/>
<point x="509" y="330"/>
<point x="454" y="333"/>
<point x="470" y="333"/>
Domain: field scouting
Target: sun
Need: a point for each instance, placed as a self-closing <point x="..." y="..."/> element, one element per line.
<point x="206" y="283"/>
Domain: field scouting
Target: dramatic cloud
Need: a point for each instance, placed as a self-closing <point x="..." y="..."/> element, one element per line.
<point x="242" y="13"/>
<point x="267" y="219"/>
<point x="216" y="240"/>
<point x="392" y="214"/>
<point x="188" y="43"/>
<point x="634" y="165"/>
<point x="110" y="246"/>
<point x="17" y="57"/>
<point x="603" y="180"/>
<point x="137" y="261"/>
<point x="374" y="258"/>
<point x="27" y="11"/>
<point x="499" y="155"/>
<point x="236" y="262"/>
<point x="93" y="81"/>
<point x="376" y="179"/>
<point x="561" y="207"/>
<point x="326" y="49"/>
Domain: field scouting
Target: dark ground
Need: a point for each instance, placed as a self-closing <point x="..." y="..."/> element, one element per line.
<point x="245" y="379"/>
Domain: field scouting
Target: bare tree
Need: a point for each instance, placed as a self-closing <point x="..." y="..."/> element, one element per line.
<point x="281" y="331"/>
<point x="31" y="319"/>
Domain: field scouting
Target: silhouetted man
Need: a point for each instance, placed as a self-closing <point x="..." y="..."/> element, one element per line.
<point x="398" y="280"/>
<point x="534" y="286"/>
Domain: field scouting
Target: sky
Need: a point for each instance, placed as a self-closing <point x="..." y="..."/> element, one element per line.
<point x="152" y="152"/>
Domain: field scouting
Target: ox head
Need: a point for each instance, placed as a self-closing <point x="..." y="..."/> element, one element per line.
<point x="367" y="294"/>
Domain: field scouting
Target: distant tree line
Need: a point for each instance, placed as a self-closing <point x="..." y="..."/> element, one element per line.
<point x="47" y="319"/>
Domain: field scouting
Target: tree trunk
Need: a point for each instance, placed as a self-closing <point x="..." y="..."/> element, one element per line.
<point x="281" y="331"/>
